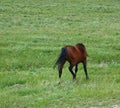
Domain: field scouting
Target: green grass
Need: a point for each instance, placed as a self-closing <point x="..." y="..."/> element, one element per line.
<point x="31" y="36"/>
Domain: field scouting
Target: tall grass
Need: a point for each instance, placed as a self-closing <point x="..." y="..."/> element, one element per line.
<point x="31" y="36"/>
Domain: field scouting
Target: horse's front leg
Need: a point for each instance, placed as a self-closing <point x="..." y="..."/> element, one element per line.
<point x="85" y="70"/>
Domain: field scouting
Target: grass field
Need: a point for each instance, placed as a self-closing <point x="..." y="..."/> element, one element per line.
<point x="32" y="33"/>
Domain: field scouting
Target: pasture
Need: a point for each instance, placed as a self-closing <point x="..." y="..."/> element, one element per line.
<point x="32" y="33"/>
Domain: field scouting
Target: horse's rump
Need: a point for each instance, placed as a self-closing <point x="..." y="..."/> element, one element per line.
<point x="73" y="54"/>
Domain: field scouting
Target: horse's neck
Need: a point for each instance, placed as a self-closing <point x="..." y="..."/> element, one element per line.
<point x="77" y="49"/>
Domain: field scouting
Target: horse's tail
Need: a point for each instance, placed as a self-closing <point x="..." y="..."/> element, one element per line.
<point x="61" y="58"/>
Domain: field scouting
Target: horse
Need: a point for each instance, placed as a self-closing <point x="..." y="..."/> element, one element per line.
<point x="74" y="55"/>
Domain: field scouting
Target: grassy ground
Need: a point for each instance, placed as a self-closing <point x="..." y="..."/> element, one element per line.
<point x="31" y="36"/>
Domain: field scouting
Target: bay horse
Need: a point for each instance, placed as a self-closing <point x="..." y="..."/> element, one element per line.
<point x="74" y="55"/>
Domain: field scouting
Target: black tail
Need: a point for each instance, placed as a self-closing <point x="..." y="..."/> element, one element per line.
<point x="61" y="58"/>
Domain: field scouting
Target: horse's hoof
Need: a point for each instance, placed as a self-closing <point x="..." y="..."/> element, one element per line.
<point x="59" y="83"/>
<point x="87" y="78"/>
<point x="74" y="79"/>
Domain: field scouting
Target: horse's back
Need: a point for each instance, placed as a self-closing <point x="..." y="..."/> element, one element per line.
<point x="73" y="54"/>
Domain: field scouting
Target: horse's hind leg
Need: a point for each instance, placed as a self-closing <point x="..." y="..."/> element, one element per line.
<point x="60" y="71"/>
<point x="85" y="70"/>
<point x="70" y="69"/>
<point x="76" y="69"/>
<point x="60" y="74"/>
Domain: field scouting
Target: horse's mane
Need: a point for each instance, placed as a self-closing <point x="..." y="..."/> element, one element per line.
<point x="80" y="44"/>
<point x="84" y="48"/>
